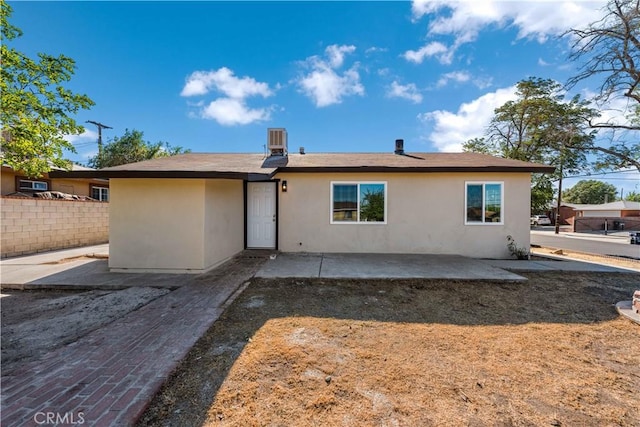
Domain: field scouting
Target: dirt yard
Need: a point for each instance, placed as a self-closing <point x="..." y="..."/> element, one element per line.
<point x="549" y="351"/>
<point x="36" y="322"/>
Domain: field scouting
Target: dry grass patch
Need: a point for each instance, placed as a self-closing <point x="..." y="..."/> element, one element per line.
<point x="551" y="351"/>
<point x="311" y="371"/>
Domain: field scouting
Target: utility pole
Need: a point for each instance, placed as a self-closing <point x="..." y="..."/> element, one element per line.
<point x="100" y="127"/>
<point x="557" y="229"/>
<point x="570" y="132"/>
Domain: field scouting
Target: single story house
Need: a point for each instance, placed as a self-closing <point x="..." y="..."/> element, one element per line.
<point x="619" y="209"/>
<point x="16" y="183"/>
<point x="191" y="212"/>
<point x="619" y="215"/>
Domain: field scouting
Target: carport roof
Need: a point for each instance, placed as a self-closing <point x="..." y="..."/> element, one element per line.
<point x="258" y="167"/>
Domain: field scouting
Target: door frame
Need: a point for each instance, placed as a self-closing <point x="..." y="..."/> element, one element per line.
<point x="276" y="185"/>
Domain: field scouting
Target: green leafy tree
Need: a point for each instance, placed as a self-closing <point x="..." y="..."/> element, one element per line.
<point x="131" y="148"/>
<point x="542" y="192"/>
<point x="590" y="192"/>
<point x="372" y="206"/>
<point x="632" y="196"/>
<point x="35" y="107"/>
<point x="609" y="50"/>
<point x="540" y="126"/>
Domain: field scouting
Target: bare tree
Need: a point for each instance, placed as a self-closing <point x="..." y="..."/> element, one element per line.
<point x="610" y="49"/>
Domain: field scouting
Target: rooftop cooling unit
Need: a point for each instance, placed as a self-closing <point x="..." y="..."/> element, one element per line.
<point x="277" y="141"/>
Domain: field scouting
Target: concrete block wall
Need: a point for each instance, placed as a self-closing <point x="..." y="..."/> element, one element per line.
<point x="29" y="226"/>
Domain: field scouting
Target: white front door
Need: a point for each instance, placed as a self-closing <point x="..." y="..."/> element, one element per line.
<point x="261" y="215"/>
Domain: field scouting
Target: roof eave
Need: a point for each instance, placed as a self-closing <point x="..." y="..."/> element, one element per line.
<point x="110" y="174"/>
<point x="428" y="169"/>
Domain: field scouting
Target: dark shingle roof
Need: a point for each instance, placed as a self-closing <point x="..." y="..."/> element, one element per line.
<point x="256" y="166"/>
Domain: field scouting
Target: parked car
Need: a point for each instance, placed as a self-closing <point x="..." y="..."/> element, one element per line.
<point x="540" y="220"/>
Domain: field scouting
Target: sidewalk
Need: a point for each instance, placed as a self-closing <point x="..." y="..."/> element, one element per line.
<point x="84" y="268"/>
<point x="108" y="377"/>
<point x="597" y="236"/>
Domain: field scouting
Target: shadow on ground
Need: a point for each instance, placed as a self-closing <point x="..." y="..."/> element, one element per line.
<point x="546" y="298"/>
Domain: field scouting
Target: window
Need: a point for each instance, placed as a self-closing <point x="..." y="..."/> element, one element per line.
<point x="30" y="185"/>
<point x="100" y="193"/>
<point x="358" y="202"/>
<point x="483" y="203"/>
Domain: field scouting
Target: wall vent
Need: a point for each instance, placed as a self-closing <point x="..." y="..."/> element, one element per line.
<point x="277" y="141"/>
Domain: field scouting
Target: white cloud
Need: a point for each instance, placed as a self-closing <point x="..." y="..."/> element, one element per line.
<point x="543" y="63"/>
<point x="533" y="19"/>
<point x="86" y="137"/>
<point x="464" y="77"/>
<point x="323" y="84"/>
<point x="537" y="19"/>
<point x="456" y="76"/>
<point x="231" y="109"/>
<point x="223" y="80"/>
<point x="336" y="54"/>
<point x="615" y="111"/>
<point x="375" y="49"/>
<point x="451" y="130"/>
<point x="410" y="92"/>
<point x="444" y="54"/>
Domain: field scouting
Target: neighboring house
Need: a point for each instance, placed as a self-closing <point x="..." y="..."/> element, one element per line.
<point x="619" y="209"/>
<point x="16" y="183"/>
<point x="191" y="212"/>
<point x="620" y="215"/>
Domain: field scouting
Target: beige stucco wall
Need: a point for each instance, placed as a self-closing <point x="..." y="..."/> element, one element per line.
<point x="224" y="220"/>
<point x="425" y="215"/>
<point x="80" y="187"/>
<point x="174" y="225"/>
<point x="35" y="225"/>
<point x="7" y="181"/>
<point x="156" y="225"/>
<point x="74" y="186"/>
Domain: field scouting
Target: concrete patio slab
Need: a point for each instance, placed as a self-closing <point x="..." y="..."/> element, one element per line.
<point x="78" y="269"/>
<point x="292" y="265"/>
<point x="556" y="265"/>
<point x="383" y="266"/>
<point x="55" y="256"/>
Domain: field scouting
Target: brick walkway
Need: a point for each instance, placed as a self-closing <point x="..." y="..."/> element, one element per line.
<point x="108" y="377"/>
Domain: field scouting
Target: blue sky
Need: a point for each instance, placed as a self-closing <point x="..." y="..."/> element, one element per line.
<point x="339" y="76"/>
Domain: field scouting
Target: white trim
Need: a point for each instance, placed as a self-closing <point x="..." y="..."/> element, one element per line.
<point x="357" y="221"/>
<point x="33" y="183"/>
<point x="101" y="191"/>
<point x="484" y="183"/>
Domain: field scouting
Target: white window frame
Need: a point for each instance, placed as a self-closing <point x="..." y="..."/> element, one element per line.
<point x="357" y="221"/>
<point x="484" y="184"/>
<point x="33" y="185"/>
<point x="101" y="190"/>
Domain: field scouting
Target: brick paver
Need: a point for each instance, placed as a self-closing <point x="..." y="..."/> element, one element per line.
<point x="108" y="377"/>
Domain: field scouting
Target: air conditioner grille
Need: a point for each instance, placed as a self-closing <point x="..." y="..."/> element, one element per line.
<point x="277" y="140"/>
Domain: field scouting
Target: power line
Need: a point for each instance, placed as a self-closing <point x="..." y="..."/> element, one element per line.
<point x="602" y="174"/>
<point x="100" y="127"/>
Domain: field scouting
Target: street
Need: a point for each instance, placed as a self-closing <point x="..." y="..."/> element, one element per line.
<point x="597" y="244"/>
